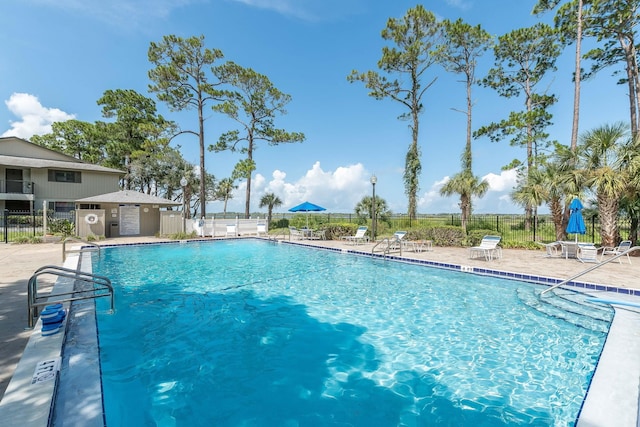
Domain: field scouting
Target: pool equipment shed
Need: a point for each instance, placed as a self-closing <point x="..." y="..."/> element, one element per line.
<point x="122" y="213"/>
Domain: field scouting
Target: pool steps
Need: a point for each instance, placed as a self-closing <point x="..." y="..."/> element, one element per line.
<point x="570" y="307"/>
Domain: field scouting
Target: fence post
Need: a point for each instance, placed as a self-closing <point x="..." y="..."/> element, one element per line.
<point x="6" y="226"/>
<point x="535" y="226"/>
<point x="593" y="229"/>
<point x="498" y="223"/>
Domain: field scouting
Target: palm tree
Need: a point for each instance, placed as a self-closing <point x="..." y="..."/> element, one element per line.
<point x="605" y="164"/>
<point x="270" y="200"/>
<point x="224" y="191"/>
<point x="466" y="185"/>
<point x="363" y="209"/>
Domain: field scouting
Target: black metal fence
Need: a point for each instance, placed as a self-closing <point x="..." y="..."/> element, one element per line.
<point x="511" y="227"/>
<point x="25" y="225"/>
<point x="19" y="226"/>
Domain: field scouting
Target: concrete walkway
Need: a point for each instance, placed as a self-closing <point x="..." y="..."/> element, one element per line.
<point x="18" y="262"/>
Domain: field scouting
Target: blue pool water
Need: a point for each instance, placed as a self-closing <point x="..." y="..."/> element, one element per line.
<point x="248" y="333"/>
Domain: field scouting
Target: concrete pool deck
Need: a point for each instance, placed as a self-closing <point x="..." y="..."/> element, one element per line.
<point x="18" y="262"/>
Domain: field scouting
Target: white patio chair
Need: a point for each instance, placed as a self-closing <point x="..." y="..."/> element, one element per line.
<point x="397" y="241"/>
<point x="553" y="249"/>
<point x="488" y="248"/>
<point x="621" y="248"/>
<point x="294" y="233"/>
<point x="359" y="237"/>
<point x="232" y="231"/>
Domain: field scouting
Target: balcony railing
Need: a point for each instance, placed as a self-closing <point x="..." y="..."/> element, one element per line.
<point x="16" y="186"/>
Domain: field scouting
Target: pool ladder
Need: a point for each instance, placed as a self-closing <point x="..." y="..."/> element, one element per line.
<point x="388" y="247"/>
<point x="101" y="287"/>
<point x="613" y="258"/>
<point x="92" y="247"/>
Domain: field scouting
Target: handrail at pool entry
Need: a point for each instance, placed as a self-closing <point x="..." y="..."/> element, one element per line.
<point x="75" y="239"/>
<point x="387" y="249"/>
<point x="593" y="267"/>
<point x="102" y="288"/>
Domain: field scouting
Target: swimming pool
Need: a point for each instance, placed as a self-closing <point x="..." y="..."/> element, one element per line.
<point x="250" y="333"/>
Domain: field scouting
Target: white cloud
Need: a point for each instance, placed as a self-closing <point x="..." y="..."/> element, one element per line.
<point x="33" y="117"/>
<point x="496" y="200"/>
<point x="460" y="4"/>
<point x="337" y="191"/>
<point x="309" y="10"/>
<point x="122" y="13"/>
<point x="507" y="180"/>
<point x="341" y="189"/>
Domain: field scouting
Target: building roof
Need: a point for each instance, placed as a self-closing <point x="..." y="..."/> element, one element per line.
<point x="54" y="164"/>
<point x="129" y="197"/>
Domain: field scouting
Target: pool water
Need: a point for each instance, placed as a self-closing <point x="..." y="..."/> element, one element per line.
<point x="249" y="333"/>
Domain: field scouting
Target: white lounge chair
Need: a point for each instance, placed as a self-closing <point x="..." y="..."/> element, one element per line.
<point x="318" y="235"/>
<point x="359" y="237"/>
<point x="587" y="253"/>
<point x="553" y="249"/>
<point x="261" y="229"/>
<point x="488" y="248"/>
<point x="294" y="233"/>
<point x="621" y="248"/>
<point x="397" y="241"/>
<point x="232" y="231"/>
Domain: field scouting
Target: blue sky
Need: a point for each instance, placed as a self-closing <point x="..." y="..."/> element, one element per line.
<point x="59" y="56"/>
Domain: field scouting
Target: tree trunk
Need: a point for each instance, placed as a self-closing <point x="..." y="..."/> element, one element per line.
<point x="608" y="209"/>
<point x="576" y="87"/>
<point x="465" y="209"/>
<point x="203" y="171"/>
<point x="555" y="207"/>
<point x="627" y="46"/>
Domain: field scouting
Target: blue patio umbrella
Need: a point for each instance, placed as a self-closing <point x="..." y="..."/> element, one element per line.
<point x="307" y="207"/>
<point x="576" y="222"/>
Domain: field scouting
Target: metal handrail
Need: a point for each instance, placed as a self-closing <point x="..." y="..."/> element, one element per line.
<point x="101" y="284"/>
<point x="388" y="248"/>
<point x="75" y="239"/>
<point x="593" y="267"/>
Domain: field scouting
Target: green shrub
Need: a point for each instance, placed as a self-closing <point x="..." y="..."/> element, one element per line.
<point x="441" y="235"/>
<point x="182" y="236"/>
<point x="335" y="231"/>
<point x="281" y="223"/>
<point x="521" y="245"/>
<point x="61" y="226"/>
<point x="22" y="240"/>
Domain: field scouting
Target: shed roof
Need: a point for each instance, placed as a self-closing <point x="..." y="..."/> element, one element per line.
<point x="129" y="197"/>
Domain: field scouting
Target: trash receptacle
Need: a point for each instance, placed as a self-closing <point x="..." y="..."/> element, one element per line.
<point x="113" y="229"/>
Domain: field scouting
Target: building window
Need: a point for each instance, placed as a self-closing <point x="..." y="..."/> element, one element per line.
<point x="64" y="176"/>
<point x="89" y="206"/>
<point x="62" y="206"/>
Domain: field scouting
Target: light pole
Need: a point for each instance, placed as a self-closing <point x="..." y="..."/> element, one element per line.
<point x="183" y="183"/>
<point x="373" y="180"/>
